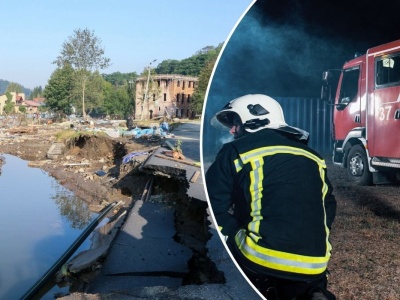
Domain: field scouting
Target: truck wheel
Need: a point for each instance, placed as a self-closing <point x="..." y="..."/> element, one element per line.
<point x="357" y="166"/>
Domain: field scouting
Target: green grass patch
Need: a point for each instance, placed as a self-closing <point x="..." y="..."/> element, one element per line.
<point x="72" y="134"/>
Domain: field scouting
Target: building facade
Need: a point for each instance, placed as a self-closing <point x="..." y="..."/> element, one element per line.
<point x="167" y="95"/>
<point x="17" y="98"/>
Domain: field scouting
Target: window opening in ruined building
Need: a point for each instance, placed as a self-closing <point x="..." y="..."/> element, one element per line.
<point x="189" y="84"/>
<point x="183" y="85"/>
<point x="159" y="83"/>
<point x="183" y="97"/>
<point x="178" y="83"/>
<point x="177" y="97"/>
<point x="165" y="96"/>
<point x="182" y="112"/>
<point x="188" y="98"/>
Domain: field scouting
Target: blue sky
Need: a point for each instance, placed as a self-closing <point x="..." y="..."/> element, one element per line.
<point x="133" y="32"/>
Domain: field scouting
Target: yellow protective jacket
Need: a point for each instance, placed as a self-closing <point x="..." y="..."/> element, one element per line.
<point x="282" y="201"/>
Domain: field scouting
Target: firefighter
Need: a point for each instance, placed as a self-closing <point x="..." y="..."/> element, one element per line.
<point x="272" y="201"/>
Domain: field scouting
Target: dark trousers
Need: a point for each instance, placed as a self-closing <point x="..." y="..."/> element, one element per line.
<point x="283" y="289"/>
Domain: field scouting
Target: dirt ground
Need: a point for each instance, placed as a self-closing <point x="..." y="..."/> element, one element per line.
<point x="365" y="260"/>
<point x="83" y="157"/>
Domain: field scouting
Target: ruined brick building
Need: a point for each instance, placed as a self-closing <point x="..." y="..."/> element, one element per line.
<point x="167" y="95"/>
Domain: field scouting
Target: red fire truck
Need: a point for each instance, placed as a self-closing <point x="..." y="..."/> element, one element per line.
<point x="366" y="114"/>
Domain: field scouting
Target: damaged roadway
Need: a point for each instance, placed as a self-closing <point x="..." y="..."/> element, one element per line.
<point x="145" y="261"/>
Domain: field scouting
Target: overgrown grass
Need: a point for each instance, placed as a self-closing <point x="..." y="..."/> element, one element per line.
<point x="72" y="134"/>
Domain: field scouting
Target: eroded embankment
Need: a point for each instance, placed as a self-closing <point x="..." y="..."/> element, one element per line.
<point x="168" y="189"/>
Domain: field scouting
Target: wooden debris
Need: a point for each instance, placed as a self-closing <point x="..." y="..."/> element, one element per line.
<point x="17" y="130"/>
<point x="195" y="176"/>
<point x="177" y="160"/>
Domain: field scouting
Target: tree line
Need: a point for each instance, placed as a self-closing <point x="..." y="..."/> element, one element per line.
<point x="77" y="86"/>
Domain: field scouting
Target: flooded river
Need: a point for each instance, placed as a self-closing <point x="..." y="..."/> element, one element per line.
<point x="39" y="220"/>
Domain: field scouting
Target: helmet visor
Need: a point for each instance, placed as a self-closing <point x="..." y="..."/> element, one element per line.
<point x="228" y="118"/>
<point x="218" y="125"/>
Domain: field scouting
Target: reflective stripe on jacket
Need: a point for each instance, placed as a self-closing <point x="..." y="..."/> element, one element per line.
<point x="282" y="202"/>
<point x="248" y="244"/>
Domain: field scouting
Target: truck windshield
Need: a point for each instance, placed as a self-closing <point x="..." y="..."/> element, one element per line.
<point x="349" y="87"/>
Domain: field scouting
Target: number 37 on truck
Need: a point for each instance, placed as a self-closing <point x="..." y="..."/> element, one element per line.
<point x="365" y="95"/>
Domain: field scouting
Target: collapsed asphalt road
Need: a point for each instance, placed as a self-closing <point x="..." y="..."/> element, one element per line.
<point x="168" y="247"/>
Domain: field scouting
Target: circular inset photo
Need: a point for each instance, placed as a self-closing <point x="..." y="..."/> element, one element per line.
<point x="301" y="117"/>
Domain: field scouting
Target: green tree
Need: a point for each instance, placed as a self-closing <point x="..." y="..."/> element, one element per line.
<point x="119" y="79"/>
<point x="125" y="81"/>
<point x="190" y="66"/>
<point x="9" y="105"/>
<point x="59" y="90"/>
<point x="199" y="93"/>
<point x="204" y="77"/>
<point x="83" y="52"/>
<point x="22" y="109"/>
<point x="168" y="66"/>
<point x="14" y="87"/>
<point x="94" y="96"/>
<point x="117" y="101"/>
<point x="37" y="92"/>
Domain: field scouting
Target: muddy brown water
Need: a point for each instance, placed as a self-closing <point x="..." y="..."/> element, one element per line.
<point x="40" y="220"/>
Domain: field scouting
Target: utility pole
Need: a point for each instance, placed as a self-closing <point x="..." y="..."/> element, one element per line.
<point x="131" y="85"/>
<point x="147" y="89"/>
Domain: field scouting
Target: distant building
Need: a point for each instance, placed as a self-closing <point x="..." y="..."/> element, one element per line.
<point x="17" y="99"/>
<point x="41" y="100"/>
<point x="168" y="96"/>
<point x="31" y="106"/>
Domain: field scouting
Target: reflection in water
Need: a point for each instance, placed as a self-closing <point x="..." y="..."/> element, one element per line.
<point x="72" y="208"/>
<point x="40" y="219"/>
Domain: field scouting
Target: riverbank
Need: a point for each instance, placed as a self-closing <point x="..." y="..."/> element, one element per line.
<point x="89" y="165"/>
<point x="207" y="271"/>
<point x="365" y="260"/>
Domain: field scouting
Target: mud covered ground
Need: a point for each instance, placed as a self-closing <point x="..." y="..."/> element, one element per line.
<point x="365" y="260"/>
<point x="83" y="157"/>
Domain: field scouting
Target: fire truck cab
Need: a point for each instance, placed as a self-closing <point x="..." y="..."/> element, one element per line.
<point x="366" y="114"/>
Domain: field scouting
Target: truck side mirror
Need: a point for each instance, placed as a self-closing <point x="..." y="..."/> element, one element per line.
<point x="326" y="75"/>
<point x="326" y="90"/>
<point x="325" y="94"/>
<point x="329" y="84"/>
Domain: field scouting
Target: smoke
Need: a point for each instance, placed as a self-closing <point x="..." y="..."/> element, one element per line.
<point x="281" y="48"/>
<point x="266" y="58"/>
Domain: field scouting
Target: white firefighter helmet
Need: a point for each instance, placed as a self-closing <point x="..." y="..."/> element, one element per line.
<point x="256" y="112"/>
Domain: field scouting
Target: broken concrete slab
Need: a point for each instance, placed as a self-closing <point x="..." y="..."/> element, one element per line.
<point x="55" y="150"/>
<point x="186" y="170"/>
<point x="101" y="242"/>
<point x="144" y="253"/>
